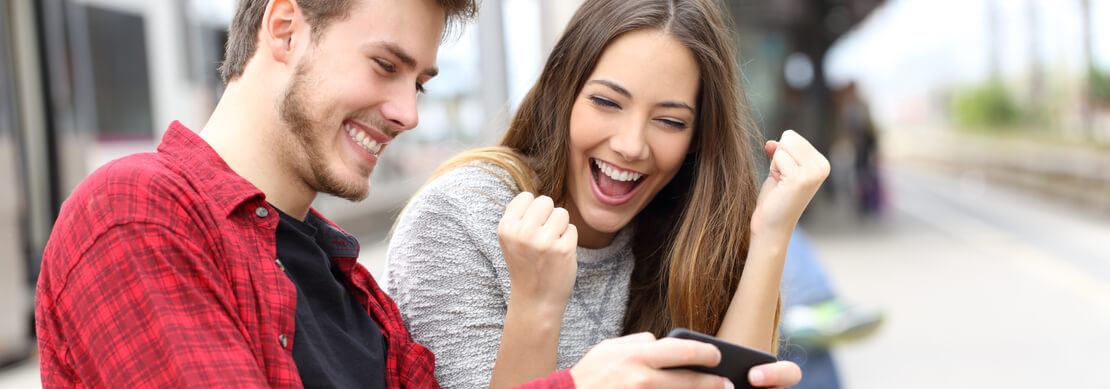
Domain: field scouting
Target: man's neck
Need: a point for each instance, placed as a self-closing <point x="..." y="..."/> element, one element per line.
<point x="244" y="130"/>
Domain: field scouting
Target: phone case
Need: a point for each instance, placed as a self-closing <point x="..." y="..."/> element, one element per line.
<point x="736" y="360"/>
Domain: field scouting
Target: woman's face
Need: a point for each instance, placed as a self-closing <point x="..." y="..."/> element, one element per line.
<point x="630" y="129"/>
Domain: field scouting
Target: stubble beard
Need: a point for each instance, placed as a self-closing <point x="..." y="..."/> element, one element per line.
<point x="308" y="134"/>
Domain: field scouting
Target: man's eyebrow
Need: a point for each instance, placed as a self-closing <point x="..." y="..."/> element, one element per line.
<point x="620" y="89"/>
<point x="405" y="58"/>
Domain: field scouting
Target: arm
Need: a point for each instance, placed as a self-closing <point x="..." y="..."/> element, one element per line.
<point x="450" y="291"/>
<point x="797" y="171"/>
<point x="141" y="307"/>
<point x="539" y="246"/>
<point x="446" y="285"/>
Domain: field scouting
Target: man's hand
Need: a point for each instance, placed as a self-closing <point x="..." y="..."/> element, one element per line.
<point x="640" y="361"/>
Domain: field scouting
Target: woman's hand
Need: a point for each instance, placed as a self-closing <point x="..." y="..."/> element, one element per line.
<point x="539" y="245"/>
<point x="797" y="171"/>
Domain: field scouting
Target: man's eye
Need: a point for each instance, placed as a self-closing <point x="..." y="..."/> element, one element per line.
<point x="420" y="88"/>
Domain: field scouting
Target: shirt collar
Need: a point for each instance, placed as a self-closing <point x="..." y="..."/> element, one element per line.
<point x="206" y="168"/>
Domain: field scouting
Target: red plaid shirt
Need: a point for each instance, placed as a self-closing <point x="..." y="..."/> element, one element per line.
<point x="161" y="272"/>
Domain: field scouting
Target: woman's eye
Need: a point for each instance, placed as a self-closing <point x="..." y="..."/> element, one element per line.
<point x="604" y="102"/>
<point x="673" y="123"/>
<point x="388" y="67"/>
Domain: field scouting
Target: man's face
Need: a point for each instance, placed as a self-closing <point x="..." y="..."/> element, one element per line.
<point x="355" y="89"/>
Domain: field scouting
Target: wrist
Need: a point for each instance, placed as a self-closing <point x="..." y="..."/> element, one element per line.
<point x="539" y="310"/>
<point x="771" y="237"/>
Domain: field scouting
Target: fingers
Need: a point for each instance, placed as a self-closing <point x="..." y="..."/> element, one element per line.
<point x="803" y="152"/>
<point x="569" y="238"/>
<point x="770" y="147"/>
<point x="642" y="337"/>
<point x="538" y="222"/>
<point x="537" y="212"/>
<point x="775" y="375"/>
<point x="515" y="210"/>
<point x="556" y="224"/>
<point x="672" y="352"/>
<point x="686" y="379"/>
<point x="794" y="155"/>
<point x="783" y="164"/>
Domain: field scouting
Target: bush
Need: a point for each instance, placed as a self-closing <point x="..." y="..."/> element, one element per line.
<point x="1100" y="86"/>
<point x="987" y="105"/>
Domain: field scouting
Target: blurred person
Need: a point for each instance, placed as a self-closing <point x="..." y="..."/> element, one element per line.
<point x="857" y="128"/>
<point x="622" y="198"/>
<point x="815" y="318"/>
<point x="203" y="265"/>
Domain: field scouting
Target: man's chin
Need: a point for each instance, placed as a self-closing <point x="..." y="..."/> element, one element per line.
<point x="351" y="190"/>
<point x="352" y="194"/>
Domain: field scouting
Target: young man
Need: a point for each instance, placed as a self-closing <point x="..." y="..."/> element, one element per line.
<point x="202" y="264"/>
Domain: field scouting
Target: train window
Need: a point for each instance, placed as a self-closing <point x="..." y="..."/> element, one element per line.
<point x="14" y="290"/>
<point x="117" y="43"/>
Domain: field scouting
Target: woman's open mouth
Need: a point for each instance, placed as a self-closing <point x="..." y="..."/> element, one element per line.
<point x="613" y="185"/>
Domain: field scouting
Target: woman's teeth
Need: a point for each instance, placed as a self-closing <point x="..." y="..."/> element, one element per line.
<point x="615" y="174"/>
<point x="364" y="140"/>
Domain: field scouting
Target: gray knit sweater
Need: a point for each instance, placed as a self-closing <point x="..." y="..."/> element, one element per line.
<point x="449" y="277"/>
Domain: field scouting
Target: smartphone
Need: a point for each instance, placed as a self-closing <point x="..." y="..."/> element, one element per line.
<point x="736" y="360"/>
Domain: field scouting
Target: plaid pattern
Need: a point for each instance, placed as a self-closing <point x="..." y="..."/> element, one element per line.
<point x="160" y="272"/>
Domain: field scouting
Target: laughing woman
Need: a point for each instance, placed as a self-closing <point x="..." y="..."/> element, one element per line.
<point x="648" y="214"/>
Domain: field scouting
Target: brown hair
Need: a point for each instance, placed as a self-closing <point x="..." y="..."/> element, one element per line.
<point x="692" y="239"/>
<point x="242" y="37"/>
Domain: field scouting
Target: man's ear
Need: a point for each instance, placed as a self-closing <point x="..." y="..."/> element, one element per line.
<point x="278" y="26"/>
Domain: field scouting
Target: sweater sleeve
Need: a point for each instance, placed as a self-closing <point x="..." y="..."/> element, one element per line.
<point x="451" y="293"/>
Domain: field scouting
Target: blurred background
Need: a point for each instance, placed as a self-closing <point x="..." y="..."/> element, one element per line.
<point x="968" y="208"/>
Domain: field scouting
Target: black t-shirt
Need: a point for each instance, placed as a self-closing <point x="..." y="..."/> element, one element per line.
<point x="336" y="343"/>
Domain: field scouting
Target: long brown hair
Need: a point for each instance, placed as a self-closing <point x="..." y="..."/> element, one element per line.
<point x="692" y="239"/>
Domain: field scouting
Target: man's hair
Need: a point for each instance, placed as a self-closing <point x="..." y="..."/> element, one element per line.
<point x="242" y="37"/>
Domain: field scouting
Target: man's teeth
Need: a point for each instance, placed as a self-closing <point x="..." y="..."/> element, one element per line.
<point x="615" y="174"/>
<point x="364" y="140"/>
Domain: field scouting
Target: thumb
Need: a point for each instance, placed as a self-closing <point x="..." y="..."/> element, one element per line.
<point x="770" y="147"/>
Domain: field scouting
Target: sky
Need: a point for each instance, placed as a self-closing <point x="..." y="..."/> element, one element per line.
<point x="910" y="48"/>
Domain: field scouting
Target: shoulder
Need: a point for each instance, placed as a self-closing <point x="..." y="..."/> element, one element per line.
<point x="475" y="177"/>
<point x="468" y="192"/>
<point x="129" y="189"/>
<point x="137" y="190"/>
<point x="451" y="224"/>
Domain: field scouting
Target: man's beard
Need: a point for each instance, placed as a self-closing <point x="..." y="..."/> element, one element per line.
<point x="308" y="133"/>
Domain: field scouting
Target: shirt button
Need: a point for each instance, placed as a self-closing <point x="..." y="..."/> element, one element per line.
<point x="261" y="212"/>
<point x="283" y="340"/>
<point x="280" y="265"/>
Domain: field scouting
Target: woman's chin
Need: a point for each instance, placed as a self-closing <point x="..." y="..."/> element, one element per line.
<point x="607" y="222"/>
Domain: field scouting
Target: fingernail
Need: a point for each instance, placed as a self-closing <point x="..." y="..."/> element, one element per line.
<point x="755" y="376"/>
<point x="728" y="384"/>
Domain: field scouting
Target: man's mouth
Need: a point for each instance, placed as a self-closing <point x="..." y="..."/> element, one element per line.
<point x="370" y="140"/>
<point x="614" y="185"/>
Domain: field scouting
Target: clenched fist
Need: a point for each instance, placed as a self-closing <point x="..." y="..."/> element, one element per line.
<point x="539" y="245"/>
<point x="797" y="171"/>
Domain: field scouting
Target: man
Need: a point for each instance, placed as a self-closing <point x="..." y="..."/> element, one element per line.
<point x="202" y="264"/>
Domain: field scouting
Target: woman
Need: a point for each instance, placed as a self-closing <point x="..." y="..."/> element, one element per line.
<point x="648" y="219"/>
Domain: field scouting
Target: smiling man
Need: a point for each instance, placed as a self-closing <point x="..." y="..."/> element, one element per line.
<point x="203" y="265"/>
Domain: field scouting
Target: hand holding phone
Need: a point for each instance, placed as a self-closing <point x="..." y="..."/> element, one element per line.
<point x="736" y="360"/>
